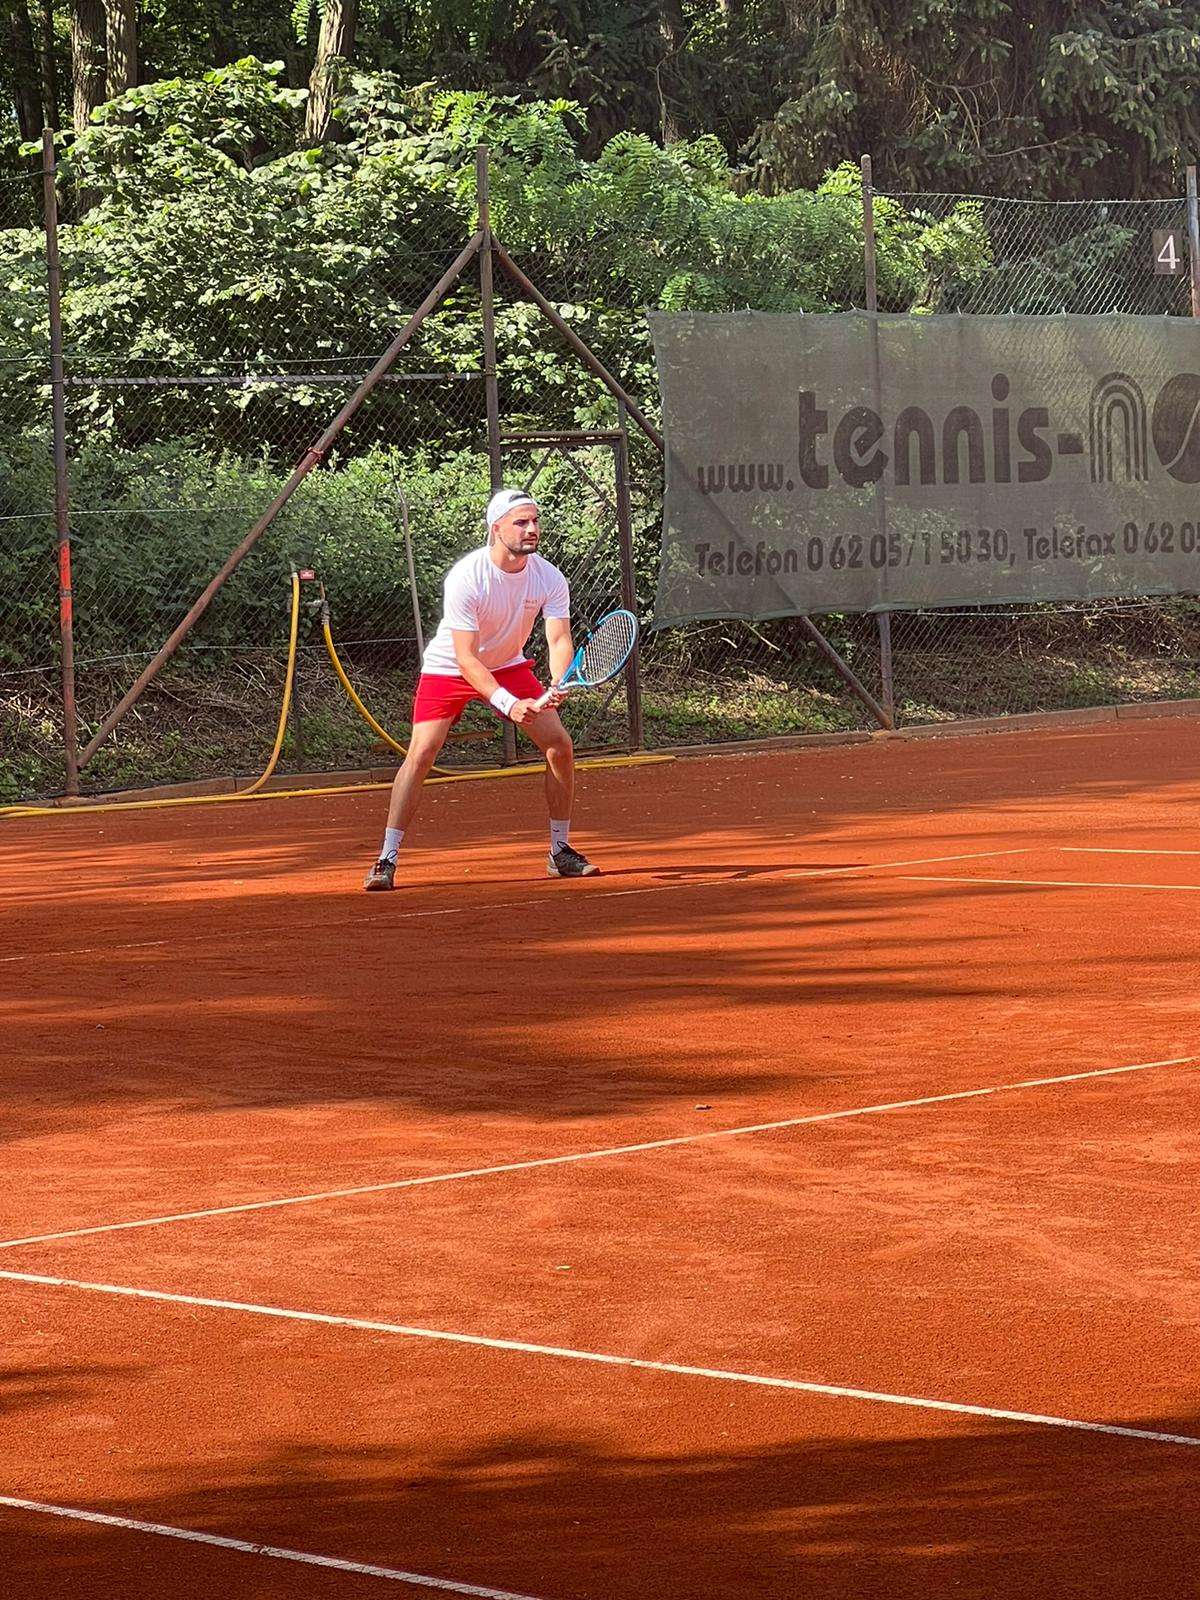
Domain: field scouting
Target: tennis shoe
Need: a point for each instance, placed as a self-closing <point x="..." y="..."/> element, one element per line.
<point x="568" y="863"/>
<point x="382" y="875"/>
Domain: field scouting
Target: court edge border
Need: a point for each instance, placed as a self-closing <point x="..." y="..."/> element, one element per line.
<point x="306" y="1558"/>
<point x="603" y="1358"/>
<point x="313" y="784"/>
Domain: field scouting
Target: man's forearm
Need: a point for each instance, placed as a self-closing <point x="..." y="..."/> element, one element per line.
<point x="476" y="674"/>
<point x="561" y="655"/>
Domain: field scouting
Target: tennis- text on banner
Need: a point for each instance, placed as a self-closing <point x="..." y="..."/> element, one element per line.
<point x="850" y="462"/>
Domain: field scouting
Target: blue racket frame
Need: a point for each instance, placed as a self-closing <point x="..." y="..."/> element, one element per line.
<point x="573" y="678"/>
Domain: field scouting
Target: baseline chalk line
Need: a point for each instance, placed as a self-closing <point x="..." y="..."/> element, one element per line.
<point x="604" y="1358"/>
<point x="276" y="1552"/>
<point x="602" y="1153"/>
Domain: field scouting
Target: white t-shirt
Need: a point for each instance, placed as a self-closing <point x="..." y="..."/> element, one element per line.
<point x="501" y="607"/>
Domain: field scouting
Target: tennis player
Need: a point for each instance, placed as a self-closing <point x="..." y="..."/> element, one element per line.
<point x="492" y="600"/>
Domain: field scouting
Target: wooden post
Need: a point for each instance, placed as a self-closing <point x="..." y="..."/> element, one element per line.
<point x="62" y="487"/>
<point x="414" y="596"/>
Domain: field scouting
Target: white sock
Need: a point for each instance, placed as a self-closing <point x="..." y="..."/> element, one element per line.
<point x="560" y="833"/>
<point x="392" y="840"/>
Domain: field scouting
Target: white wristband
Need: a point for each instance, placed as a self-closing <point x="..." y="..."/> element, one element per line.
<point x="503" y="701"/>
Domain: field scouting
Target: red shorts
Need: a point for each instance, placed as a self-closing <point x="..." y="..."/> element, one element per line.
<point x="440" y="696"/>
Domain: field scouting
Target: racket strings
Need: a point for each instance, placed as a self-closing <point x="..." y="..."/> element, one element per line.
<point x="608" y="649"/>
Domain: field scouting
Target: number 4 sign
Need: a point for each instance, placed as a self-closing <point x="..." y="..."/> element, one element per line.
<point x="1168" y="251"/>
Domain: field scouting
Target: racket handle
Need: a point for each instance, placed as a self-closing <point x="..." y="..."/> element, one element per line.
<point x="543" y="700"/>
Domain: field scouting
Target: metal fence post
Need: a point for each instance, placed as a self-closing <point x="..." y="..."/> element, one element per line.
<point x="491" y="388"/>
<point x="62" y="487"/>
<point x="633" y="671"/>
<point x="868" y="205"/>
<point x="1193" y="225"/>
<point x="883" y="619"/>
<point x="490" y="383"/>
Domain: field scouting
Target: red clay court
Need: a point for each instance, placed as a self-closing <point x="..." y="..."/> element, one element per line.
<point x="805" y="1207"/>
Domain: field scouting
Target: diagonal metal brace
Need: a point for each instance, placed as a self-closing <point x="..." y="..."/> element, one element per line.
<point x="311" y="458"/>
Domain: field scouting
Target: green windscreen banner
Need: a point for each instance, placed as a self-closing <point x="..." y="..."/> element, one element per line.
<point x="850" y="462"/>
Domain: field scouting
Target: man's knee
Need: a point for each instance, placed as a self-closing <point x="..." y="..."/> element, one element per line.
<point x="559" y="749"/>
<point x="423" y="751"/>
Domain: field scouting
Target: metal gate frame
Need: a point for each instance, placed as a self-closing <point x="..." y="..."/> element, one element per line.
<point x="566" y="444"/>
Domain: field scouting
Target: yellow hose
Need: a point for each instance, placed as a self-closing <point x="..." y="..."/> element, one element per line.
<point x="525" y="770"/>
<point x="281" y="730"/>
<point x="286" y="704"/>
<point x="370" y="721"/>
<point x="254" y="791"/>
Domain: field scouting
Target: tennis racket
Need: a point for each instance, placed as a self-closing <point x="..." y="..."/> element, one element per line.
<point x="601" y="656"/>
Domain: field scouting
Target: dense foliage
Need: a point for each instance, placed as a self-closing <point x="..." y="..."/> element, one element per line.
<point x="213" y="245"/>
<point x="1056" y="98"/>
<point x="645" y="153"/>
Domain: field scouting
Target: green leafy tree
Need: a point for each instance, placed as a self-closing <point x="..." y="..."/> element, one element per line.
<point x="1042" y="97"/>
<point x="1048" y="98"/>
<point x="214" y="245"/>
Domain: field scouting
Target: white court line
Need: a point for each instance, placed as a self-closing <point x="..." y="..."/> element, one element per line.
<point x="103" y="949"/>
<point x="602" y="1358"/>
<point x="1050" y="883"/>
<point x="1104" y="850"/>
<point x="548" y="897"/>
<point x="362" y="1569"/>
<point x="594" y="1155"/>
<point x="883" y="866"/>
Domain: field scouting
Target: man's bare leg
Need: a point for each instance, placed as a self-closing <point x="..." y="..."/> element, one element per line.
<point x="552" y="739"/>
<point x="423" y="750"/>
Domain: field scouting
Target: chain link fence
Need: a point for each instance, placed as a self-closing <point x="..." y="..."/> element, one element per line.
<point x="1042" y="257"/>
<point x="183" y="508"/>
<point x="1003" y="661"/>
<point x="181" y="431"/>
<point x="31" y="732"/>
<point x="1088" y="257"/>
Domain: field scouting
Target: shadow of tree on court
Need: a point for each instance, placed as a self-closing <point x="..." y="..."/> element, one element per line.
<point x="1001" y="1512"/>
<point x="759" y="1003"/>
<point x="24" y="1388"/>
<point x="229" y="960"/>
<point x="618" y="1005"/>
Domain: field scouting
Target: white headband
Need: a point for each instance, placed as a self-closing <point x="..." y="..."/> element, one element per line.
<point x="504" y="501"/>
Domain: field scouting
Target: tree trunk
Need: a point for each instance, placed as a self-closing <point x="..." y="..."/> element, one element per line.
<point x="120" y="18"/>
<point x="26" y="89"/>
<point x="87" y="60"/>
<point x="338" y="21"/>
<point x="44" y="12"/>
<point x="672" y="30"/>
<point x="798" y="13"/>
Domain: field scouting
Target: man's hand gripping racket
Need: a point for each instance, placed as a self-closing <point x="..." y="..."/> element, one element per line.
<point x="603" y="653"/>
